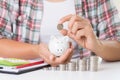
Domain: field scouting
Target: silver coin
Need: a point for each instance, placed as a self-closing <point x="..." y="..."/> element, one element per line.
<point x="93" y="63"/>
<point x="72" y="66"/>
<point x="82" y="64"/>
<point x="88" y="63"/>
<point x="62" y="67"/>
<point x="53" y="68"/>
<point x="77" y="63"/>
<point x="60" y="26"/>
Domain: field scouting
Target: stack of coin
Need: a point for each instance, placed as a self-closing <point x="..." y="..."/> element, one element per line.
<point x="88" y="63"/>
<point x="60" y="26"/>
<point x="66" y="66"/>
<point x="77" y="63"/>
<point x="54" y="68"/>
<point x="82" y="64"/>
<point x="72" y="66"/>
<point x="45" y="69"/>
<point x="49" y="68"/>
<point x="93" y="63"/>
<point x="58" y="68"/>
<point x="62" y="67"/>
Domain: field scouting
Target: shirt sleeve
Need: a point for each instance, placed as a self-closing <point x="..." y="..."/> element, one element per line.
<point x="109" y="21"/>
<point x="4" y="17"/>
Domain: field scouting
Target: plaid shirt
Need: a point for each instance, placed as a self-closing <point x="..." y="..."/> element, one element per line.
<point x="20" y="19"/>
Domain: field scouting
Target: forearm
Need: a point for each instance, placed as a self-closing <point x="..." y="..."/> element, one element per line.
<point x="14" y="49"/>
<point x="109" y="50"/>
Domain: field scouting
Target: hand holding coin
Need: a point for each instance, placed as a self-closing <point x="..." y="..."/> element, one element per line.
<point x="61" y="29"/>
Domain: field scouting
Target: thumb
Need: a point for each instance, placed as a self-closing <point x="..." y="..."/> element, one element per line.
<point x="64" y="32"/>
<point x="52" y="58"/>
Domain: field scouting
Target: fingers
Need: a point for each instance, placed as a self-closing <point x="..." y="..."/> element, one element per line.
<point x="76" y="26"/>
<point x="52" y="59"/>
<point x="80" y="37"/>
<point x="79" y="34"/>
<point x="71" y="18"/>
<point x="64" y="58"/>
<point x="64" y="32"/>
<point x="55" y="61"/>
<point x="66" y="18"/>
<point x="73" y="25"/>
<point x="70" y="56"/>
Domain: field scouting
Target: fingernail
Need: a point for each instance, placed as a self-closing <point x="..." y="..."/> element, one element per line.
<point x="59" y="22"/>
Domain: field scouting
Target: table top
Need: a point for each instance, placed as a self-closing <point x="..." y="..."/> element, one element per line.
<point x="106" y="71"/>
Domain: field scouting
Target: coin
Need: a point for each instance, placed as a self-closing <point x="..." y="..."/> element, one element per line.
<point x="62" y="67"/>
<point x="82" y="64"/>
<point x="60" y="26"/>
<point x="76" y="62"/>
<point x="93" y="63"/>
<point x="72" y="66"/>
<point x="53" y="68"/>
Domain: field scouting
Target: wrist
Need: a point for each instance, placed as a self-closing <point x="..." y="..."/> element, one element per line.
<point x="98" y="48"/>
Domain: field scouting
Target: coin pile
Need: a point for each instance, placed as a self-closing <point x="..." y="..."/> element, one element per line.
<point x="71" y="66"/>
<point x="54" y="68"/>
<point x="46" y="68"/>
<point x="62" y="67"/>
<point x="84" y="64"/>
<point x="88" y="64"/>
<point x="77" y="63"/>
<point x="93" y="63"/>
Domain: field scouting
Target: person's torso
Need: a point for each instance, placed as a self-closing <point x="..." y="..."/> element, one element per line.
<point x="25" y="17"/>
<point x="52" y="13"/>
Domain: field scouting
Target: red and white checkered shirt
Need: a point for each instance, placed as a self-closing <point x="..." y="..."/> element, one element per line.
<point x="20" y="20"/>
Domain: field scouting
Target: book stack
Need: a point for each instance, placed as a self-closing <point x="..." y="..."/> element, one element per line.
<point x="18" y="66"/>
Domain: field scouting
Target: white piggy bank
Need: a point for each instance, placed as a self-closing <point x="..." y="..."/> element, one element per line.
<point x="58" y="45"/>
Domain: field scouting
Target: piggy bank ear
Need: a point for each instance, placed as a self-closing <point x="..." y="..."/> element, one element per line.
<point x="52" y="37"/>
<point x="66" y="38"/>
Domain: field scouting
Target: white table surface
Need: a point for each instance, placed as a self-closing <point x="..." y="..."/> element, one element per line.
<point x="107" y="71"/>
